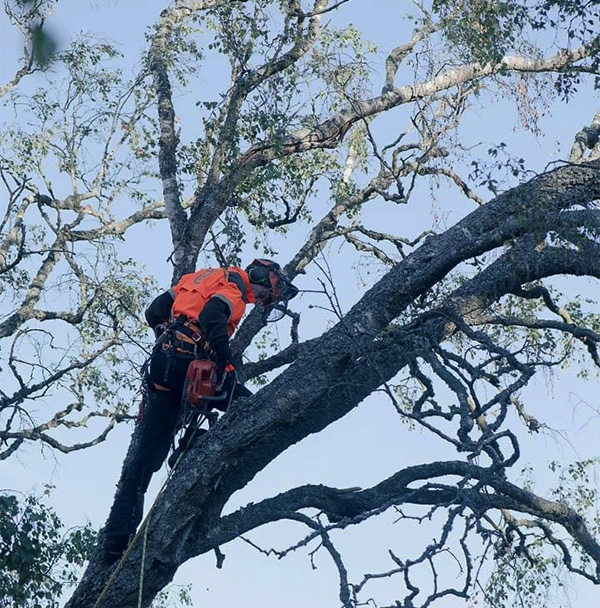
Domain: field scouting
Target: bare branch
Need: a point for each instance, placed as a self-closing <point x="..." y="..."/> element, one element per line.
<point x="588" y="138"/>
<point x="332" y="131"/>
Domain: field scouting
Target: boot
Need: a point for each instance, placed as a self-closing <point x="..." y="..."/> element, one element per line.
<point x="114" y="547"/>
<point x="185" y="443"/>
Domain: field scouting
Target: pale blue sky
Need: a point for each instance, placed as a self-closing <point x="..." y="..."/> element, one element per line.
<point x="369" y="443"/>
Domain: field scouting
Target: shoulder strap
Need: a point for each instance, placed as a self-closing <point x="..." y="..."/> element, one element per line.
<point x="236" y="279"/>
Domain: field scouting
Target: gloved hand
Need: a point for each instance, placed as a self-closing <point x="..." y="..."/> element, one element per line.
<point x="223" y="358"/>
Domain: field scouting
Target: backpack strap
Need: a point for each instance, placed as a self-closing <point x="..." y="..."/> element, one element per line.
<point x="236" y="279"/>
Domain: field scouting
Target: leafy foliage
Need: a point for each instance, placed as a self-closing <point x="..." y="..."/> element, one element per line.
<point x="38" y="558"/>
<point x="72" y="303"/>
<point x="529" y="570"/>
<point x="173" y="596"/>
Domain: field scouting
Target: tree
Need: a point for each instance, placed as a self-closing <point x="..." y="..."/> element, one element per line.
<point x="456" y="325"/>
<point x="72" y="301"/>
<point x="37" y="557"/>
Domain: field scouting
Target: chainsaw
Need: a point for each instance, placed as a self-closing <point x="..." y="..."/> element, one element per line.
<point x="201" y="385"/>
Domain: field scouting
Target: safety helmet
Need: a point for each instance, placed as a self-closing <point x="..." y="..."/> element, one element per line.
<point x="269" y="274"/>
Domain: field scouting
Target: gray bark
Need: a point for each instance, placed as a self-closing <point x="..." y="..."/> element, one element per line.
<point x="344" y="366"/>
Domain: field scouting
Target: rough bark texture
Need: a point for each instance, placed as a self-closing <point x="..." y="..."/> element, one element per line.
<point x="345" y="365"/>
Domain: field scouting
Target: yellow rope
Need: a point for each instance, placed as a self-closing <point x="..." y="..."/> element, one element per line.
<point x="143" y="528"/>
<point x="141" y="588"/>
<point x="146" y="521"/>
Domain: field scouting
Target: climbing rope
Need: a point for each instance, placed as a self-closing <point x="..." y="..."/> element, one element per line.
<point x="143" y="529"/>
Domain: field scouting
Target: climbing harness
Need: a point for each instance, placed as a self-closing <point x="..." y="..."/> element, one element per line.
<point x="183" y="339"/>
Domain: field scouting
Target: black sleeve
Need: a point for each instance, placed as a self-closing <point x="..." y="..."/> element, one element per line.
<point x="159" y="309"/>
<point x="213" y="321"/>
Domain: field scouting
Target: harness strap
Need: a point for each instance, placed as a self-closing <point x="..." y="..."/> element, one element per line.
<point x="236" y="279"/>
<point x="183" y="336"/>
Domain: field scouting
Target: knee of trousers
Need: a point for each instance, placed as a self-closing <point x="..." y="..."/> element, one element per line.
<point x="155" y="461"/>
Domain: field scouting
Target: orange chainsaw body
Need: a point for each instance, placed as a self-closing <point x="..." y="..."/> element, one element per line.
<point x="201" y="382"/>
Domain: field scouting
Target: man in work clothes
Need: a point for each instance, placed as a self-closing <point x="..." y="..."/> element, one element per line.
<point x="194" y="319"/>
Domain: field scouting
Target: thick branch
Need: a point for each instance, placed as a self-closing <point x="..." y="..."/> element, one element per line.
<point x="332" y="131"/>
<point x="348" y="363"/>
<point x="348" y="506"/>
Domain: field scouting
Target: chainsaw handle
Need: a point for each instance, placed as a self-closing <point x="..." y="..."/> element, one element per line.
<point x="220" y="397"/>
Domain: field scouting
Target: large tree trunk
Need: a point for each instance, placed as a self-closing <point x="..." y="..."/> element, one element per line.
<point x="344" y="366"/>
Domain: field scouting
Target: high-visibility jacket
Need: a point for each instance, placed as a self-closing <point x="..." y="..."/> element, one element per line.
<point x="193" y="291"/>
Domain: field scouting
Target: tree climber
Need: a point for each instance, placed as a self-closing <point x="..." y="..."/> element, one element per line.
<point x="193" y="320"/>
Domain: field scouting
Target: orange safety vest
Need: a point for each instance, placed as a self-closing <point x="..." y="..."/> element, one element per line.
<point x="194" y="290"/>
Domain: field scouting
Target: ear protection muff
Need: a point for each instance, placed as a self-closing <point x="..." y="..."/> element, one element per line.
<point x="260" y="275"/>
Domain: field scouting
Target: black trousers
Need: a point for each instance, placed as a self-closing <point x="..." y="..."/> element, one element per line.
<point x="162" y="416"/>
